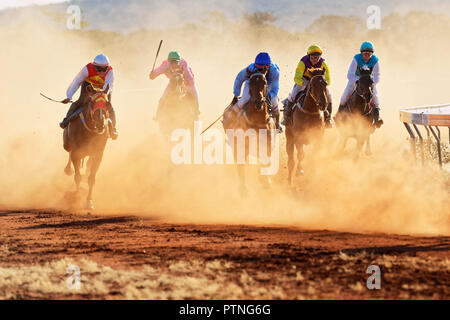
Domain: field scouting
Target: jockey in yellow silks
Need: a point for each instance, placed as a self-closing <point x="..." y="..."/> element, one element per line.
<point x="312" y="60"/>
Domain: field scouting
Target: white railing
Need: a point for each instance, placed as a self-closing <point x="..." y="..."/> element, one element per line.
<point x="427" y="116"/>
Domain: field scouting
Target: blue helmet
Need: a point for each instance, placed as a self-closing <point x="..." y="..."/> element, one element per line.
<point x="367" y="46"/>
<point x="263" y="59"/>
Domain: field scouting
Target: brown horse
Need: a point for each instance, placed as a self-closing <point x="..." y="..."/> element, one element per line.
<point x="86" y="136"/>
<point x="250" y="122"/>
<point x="176" y="110"/>
<point x="307" y="119"/>
<point x="355" y="119"/>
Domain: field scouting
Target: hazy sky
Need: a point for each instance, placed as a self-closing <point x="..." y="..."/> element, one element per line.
<point x="19" y="3"/>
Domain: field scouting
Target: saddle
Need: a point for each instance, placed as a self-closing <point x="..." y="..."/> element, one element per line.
<point x="300" y="98"/>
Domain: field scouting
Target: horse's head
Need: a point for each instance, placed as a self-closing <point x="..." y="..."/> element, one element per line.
<point x="258" y="90"/>
<point x="318" y="88"/>
<point x="98" y="108"/>
<point x="364" y="86"/>
<point x="178" y="83"/>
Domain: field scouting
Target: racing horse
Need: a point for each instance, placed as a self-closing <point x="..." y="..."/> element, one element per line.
<point x="251" y="126"/>
<point x="86" y="136"/>
<point x="356" y="119"/>
<point x="307" y="120"/>
<point x="176" y="110"/>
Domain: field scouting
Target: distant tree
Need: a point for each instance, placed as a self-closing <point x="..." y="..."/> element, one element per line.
<point x="259" y="18"/>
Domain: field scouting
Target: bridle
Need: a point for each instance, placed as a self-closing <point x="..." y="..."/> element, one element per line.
<point x="310" y="94"/>
<point x="253" y="99"/>
<point x="91" y="113"/>
<point x="362" y="95"/>
<point x="180" y="88"/>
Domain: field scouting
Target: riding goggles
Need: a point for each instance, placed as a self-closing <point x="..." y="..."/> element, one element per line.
<point x="261" y="67"/>
<point x="101" y="69"/>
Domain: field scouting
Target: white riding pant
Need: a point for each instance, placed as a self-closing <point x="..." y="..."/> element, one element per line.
<point x="351" y="86"/>
<point x="246" y="97"/>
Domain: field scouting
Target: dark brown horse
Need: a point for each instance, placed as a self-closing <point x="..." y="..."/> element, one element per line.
<point x="244" y="129"/>
<point x="307" y="120"/>
<point x="86" y="136"/>
<point x="355" y="119"/>
<point x="176" y="110"/>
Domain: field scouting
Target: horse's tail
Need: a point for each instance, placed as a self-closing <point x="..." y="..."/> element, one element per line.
<point x="68" y="169"/>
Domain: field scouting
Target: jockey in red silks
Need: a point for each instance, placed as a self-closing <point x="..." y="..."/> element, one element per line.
<point x="100" y="75"/>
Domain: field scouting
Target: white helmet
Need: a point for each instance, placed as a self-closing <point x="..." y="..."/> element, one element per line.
<point x="101" y="60"/>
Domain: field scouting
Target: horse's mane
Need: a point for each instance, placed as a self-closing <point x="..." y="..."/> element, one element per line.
<point x="258" y="74"/>
<point x="316" y="71"/>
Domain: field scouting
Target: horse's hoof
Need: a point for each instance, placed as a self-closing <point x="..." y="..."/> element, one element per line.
<point x="300" y="172"/>
<point x="89" y="205"/>
<point x="68" y="171"/>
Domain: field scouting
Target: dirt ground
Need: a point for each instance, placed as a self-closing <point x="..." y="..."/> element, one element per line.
<point x="130" y="257"/>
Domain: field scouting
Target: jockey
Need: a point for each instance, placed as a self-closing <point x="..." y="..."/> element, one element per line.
<point x="365" y="59"/>
<point x="262" y="64"/>
<point x="170" y="67"/>
<point x="312" y="60"/>
<point x="100" y="75"/>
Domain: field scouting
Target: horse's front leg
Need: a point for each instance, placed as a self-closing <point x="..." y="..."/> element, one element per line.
<point x="266" y="154"/>
<point x="76" y="161"/>
<point x="359" y="145"/>
<point x="68" y="169"/>
<point x="94" y="165"/>
<point x="300" y="156"/>
<point x="368" y="148"/>
<point x="290" y="148"/>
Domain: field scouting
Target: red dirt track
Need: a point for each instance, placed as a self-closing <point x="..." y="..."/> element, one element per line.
<point x="132" y="257"/>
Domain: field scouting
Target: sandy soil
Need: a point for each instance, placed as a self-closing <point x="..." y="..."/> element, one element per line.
<point x="129" y="257"/>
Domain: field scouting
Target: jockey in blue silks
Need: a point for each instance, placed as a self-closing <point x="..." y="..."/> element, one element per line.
<point x="365" y="60"/>
<point x="263" y="64"/>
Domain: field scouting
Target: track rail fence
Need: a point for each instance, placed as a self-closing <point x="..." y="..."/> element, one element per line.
<point x="431" y="118"/>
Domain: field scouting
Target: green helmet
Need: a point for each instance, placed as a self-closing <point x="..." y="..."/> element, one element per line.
<point x="174" y="55"/>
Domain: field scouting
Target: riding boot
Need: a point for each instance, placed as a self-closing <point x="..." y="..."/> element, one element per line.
<point x="70" y="115"/>
<point x="112" y="115"/>
<point x="327" y="115"/>
<point x="376" y="117"/>
<point x="287" y="112"/>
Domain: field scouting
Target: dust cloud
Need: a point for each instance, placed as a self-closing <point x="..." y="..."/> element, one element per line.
<point x="386" y="192"/>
